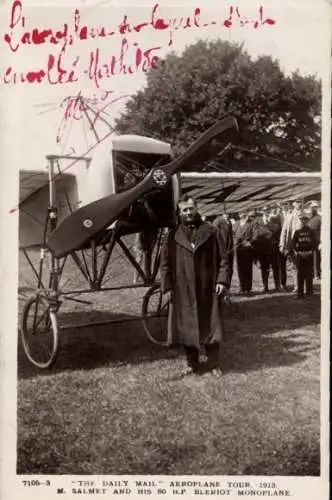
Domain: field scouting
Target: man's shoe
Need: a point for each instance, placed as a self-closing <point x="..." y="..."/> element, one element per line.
<point x="217" y="372"/>
<point x="190" y="370"/>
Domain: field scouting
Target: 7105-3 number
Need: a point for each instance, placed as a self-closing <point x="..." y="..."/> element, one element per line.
<point x="35" y="482"/>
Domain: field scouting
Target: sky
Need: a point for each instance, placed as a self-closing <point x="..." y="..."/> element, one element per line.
<point x="299" y="39"/>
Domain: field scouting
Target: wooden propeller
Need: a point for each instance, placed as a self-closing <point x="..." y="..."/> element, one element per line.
<point x="86" y="222"/>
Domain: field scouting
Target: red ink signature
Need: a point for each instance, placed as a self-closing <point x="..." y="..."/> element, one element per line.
<point x="76" y="109"/>
<point x="92" y="109"/>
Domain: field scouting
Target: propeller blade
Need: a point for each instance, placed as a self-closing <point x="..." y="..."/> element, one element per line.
<point x="86" y="222"/>
<point x="207" y="146"/>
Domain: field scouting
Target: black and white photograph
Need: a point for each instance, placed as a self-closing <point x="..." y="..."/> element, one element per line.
<point x="165" y="242"/>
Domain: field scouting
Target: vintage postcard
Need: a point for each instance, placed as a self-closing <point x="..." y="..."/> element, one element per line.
<point x="164" y="258"/>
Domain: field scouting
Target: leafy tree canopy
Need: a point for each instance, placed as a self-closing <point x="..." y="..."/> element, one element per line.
<point x="278" y="115"/>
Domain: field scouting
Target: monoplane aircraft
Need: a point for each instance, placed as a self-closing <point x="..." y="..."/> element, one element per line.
<point x="92" y="205"/>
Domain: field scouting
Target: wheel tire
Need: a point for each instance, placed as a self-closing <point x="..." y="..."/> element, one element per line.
<point x="50" y="325"/>
<point x="156" y="320"/>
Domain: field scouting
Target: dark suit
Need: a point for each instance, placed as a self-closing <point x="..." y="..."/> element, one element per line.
<point x="243" y="237"/>
<point x="315" y="224"/>
<point x="224" y="232"/>
<point x="266" y="243"/>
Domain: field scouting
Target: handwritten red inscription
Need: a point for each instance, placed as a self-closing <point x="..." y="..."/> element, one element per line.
<point x="129" y="59"/>
<point x="235" y="16"/>
<point x="67" y="34"/>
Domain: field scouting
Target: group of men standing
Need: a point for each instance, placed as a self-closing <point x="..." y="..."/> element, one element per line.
<point x="197" y="267"/>
<point x="267" y="238"/>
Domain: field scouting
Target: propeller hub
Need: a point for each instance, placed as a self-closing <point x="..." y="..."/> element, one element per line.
<point x="88" y="223"/>
<point x="160" y="177"/>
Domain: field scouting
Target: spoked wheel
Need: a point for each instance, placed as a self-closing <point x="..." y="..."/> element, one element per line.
<point x="39" y="332"/>
<point x="155" y="314"/>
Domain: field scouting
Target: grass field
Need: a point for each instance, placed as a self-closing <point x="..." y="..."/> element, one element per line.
<point x="113" y="403"/>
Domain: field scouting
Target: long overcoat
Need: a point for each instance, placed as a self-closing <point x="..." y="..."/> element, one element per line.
<point x="191" y="273"/>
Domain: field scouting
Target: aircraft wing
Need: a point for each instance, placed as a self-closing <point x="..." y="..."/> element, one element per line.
<point x="233" y="192"/>
<point x="34" y="202"/>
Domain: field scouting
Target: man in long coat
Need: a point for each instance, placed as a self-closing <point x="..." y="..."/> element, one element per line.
<point x="290" y="225"/>
<point x="194" y="275"/>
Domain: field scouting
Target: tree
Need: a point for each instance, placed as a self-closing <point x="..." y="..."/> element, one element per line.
<point x="278" y="115"/>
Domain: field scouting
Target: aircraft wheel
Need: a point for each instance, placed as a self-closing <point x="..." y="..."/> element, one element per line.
<point x="39" y="332"/>
<point x="155" y="314"/>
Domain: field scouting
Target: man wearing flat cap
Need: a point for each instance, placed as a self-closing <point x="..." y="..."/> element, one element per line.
<point x="303" y="245"/>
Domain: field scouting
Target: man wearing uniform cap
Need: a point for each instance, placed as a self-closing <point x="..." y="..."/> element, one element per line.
<point x="303" y="245"/>
<point x="315" y="224"/>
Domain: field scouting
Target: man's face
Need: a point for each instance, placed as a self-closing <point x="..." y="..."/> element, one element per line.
<point x="187" y="210"/>
<point x="225" y="216"/>
<point x="297" y="205"/>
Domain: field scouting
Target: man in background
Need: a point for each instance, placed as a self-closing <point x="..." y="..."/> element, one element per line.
<point x="283" y="214"/>
<point x="224" y="229"/>
<point x="243" y="243"/>
<point x="303" y="245"/>
<point x="314" y="223"/>
<point x="290" y="225"/>
<point x="194" y="278"/>
<point x="266" y="236"/>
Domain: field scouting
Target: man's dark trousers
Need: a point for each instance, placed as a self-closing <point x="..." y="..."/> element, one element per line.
<point x="305" y="272"/>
